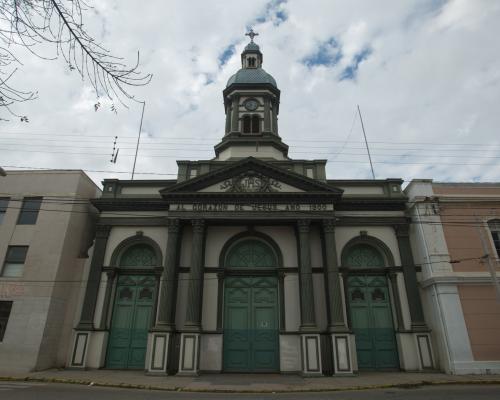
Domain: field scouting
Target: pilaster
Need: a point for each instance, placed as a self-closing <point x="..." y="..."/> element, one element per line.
<point x="410" y="278"/>
<point x="94" y="279"/>
<point x="336" y="321"/>
<point x="168" y="284"/>
<point x="189" y="359"/>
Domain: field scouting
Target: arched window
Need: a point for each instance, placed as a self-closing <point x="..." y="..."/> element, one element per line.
<point x="138" y="255"/>
<point x="255" y="124"/>
<point x="247" y="124"/>
<point x="251" y="62"/>
<point x="364" y="256"/>
<point x="495" y="234"/>
<point x="251" y="253"/>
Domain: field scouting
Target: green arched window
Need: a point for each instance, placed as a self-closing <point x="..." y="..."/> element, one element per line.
<point x="251" y="254"/>
<point x="139" y="255"/>
<point x="364" y="256"/>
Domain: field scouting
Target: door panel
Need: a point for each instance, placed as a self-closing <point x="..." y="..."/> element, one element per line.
<point x="250" y="325"/>
<point x="132" y="315"/>
<point x="371" y="320"/>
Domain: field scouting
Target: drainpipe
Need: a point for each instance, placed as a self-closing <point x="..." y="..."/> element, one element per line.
<point x="436" y="296"/>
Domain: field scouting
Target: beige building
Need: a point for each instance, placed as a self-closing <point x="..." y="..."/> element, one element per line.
<point x="45" y="230"/>
<point x="456" y="238"/>
<point x="252" y="261"/>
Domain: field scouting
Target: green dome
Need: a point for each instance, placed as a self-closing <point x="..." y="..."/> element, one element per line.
<point x="252" y="47"/>
<point x="252" y="76"/>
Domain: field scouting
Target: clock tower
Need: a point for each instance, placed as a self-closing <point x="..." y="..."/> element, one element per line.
<point x="251" y="102"/>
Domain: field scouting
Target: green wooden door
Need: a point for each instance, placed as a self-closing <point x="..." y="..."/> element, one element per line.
<point x="371" y="322"/>
<point x="131" y="320"/>
<point x="251" y="324"/>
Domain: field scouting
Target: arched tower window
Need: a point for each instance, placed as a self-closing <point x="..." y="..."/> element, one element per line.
<point x="138" y="255"/>
<point x="251" y="124"/>
<point x="494" y="226"/>
<point x="255" y="124"/>
<point x="247" y="124"/>
<point x="251" y="62"/>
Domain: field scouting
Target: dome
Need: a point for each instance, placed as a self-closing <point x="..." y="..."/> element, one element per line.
<point x="252" y="47"/>
<point x="252" y="75"/>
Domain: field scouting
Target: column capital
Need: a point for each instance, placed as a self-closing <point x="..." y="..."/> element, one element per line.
<point x="198" y="225"/>
<point x="102" y="231"/>
<point x="304" y="225"/>
<point x="329" y="225"/>
<point x="402" y="230"/>
<point x="173" y="225"/>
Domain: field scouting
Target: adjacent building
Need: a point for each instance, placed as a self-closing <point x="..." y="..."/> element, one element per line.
<point x="252" y="261"/>
<point x="45" y="231"/>
<point x="456" y="237"/>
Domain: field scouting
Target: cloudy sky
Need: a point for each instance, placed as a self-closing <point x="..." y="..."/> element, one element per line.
<point x="426" y="74"/>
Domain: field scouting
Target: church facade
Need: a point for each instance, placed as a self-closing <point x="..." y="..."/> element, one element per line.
<point x="252" y="261"/>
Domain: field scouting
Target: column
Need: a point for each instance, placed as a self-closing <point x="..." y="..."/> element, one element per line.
<point x="94" y="278"/>
<point x="235" y="113"/>
<point x="410" y="278"/>
<point x="340" y="336"/>
<point x="190" y="339"/>
<point x="161" y="335"/>
<point x="166" y="307"/>
<point x="309" y="338"/>
<point x="307" y="314"/>
<point x="85" y="334"/>
<point x="419" y="329"/>
<point x="267" y="115"/>
<point x="336" y="322"/>
<point x="111" y="275"/>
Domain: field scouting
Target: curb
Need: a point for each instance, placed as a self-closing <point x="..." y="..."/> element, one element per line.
<point x="408" y="385"/>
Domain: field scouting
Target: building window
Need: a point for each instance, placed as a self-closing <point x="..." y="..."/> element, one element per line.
<point x="29" y="210"/>
<point x="14" y="261"/>
<point x="251" y="124"/>
<point x="251" y="62"/>
<point x="495" y="233"/>
<point x="4" y="202"/>
<point x="5" y="307"/>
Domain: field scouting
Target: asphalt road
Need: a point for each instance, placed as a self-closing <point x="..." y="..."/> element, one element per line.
<point x="41" y="391"/>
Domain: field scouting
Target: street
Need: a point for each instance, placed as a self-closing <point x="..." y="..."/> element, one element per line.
<point x="44" y="391"/>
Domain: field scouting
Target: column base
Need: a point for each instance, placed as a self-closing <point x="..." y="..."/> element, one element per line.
<point x="342" y="354"/>
<point x="89" y="349"/>
<point x="158" y="352"/>
<point x="311" y="354"/>
<point x="189" y="359"/>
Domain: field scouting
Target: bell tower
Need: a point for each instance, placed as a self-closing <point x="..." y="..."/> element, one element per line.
<point x="251" y="102"/>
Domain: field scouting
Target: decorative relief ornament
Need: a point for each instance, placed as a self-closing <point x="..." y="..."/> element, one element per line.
<point x="251" y="182"/>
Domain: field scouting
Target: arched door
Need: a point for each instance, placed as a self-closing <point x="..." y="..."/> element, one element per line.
<point x="251" y="313"/>
<point x="132" y="311"/>
<point x="370" y="309"/>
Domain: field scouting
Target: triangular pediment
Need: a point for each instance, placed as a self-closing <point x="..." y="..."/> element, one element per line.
<point x="251" y="177"/>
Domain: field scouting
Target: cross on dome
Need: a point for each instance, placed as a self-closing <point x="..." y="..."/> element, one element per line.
<point x="252" y="34"/>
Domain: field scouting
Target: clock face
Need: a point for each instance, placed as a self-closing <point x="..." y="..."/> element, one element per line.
<point x="251" y="105"/>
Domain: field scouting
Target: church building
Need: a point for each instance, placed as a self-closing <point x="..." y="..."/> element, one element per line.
<point x="252" y="261"/>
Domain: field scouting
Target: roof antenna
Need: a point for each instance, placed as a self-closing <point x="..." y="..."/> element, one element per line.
<point x="138" y="139"/>
<point x="114" y="153"/>
<point x="366" y="143"/>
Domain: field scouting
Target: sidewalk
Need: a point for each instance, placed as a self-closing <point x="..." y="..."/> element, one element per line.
<point x="248" y="382"/>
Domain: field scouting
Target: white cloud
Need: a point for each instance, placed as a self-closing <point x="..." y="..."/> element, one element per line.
<point x="432" y="77"/>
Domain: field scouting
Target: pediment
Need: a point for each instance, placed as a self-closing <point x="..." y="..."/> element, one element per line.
<point x="251" y="177"/>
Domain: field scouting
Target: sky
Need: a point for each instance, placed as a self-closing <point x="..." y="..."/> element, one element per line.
<point x="425" y="74"/>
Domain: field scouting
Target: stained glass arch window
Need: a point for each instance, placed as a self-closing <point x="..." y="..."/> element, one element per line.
<point x="139" y="255"/>
<point x="364" y="256"/>
<point x="251" y="253"/>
